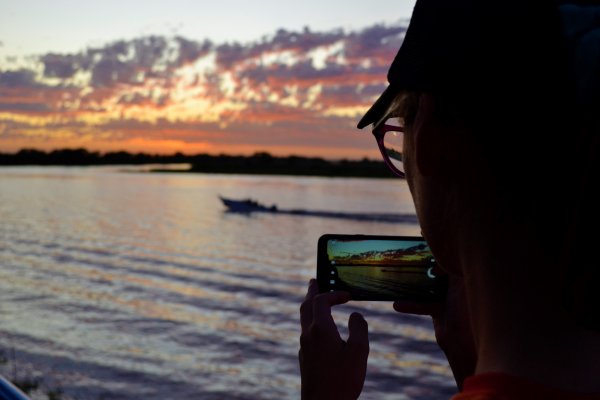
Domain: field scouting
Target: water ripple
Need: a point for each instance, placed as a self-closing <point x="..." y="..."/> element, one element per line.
<point x="128" y="286"/>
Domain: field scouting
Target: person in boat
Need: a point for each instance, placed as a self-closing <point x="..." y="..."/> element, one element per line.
<point x="255" y="204"/>
<point x="496" y="104"/>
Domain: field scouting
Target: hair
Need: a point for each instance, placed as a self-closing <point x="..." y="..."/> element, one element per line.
<point x="405" y="107"/>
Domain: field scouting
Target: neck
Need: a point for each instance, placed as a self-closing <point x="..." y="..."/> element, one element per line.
<point x="525" y="330"/>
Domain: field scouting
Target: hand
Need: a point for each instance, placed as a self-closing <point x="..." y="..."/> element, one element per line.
<point x="452" y="328"/>
<point x="330" y="367"/>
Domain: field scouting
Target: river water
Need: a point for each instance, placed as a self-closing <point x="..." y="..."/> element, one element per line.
<point x="131" y="285"/>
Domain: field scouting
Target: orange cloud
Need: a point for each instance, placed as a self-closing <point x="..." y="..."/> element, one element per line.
<point x="293" y="93"/>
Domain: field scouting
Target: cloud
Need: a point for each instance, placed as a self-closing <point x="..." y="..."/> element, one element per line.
<point x="293" y="87"/>
<point x="375" y="43"/>
<point x="59" y="66"/>
<point x="21" y="78"/>
<point x="24" y="107"/>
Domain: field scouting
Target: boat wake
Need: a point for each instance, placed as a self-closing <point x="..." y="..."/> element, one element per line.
<point x="248" y="206"/>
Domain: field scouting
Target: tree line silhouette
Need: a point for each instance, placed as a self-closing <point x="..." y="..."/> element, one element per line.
<point x="259" y="163"/>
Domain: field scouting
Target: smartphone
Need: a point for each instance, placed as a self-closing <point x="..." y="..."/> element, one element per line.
<point x="382" y="268"/>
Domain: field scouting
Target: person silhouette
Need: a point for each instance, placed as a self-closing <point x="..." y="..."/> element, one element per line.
<point x="497" y="109"/>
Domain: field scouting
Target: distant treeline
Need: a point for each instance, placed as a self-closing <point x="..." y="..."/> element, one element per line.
<point x="259" y="163"/>
<point x="84" y="157"/>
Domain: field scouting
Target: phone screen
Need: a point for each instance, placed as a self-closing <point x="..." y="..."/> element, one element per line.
<point x="379" y="268"/>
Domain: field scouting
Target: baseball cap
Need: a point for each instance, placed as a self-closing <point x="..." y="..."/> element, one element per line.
<point x="462" y="46"/>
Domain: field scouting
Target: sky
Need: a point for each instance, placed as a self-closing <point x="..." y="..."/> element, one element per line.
<point x="226" y="76"/>
<point x="342" y="248"/>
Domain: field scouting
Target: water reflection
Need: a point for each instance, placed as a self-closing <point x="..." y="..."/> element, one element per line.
<point x="138" y="284"/>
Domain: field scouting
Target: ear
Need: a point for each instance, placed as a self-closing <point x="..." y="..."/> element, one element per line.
<point x="435" y="142"/>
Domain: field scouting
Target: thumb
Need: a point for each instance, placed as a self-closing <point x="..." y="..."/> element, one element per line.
<point x="358" y="338"/>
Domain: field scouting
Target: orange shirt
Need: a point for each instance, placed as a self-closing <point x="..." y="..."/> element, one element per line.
<point x="499" y="386"/>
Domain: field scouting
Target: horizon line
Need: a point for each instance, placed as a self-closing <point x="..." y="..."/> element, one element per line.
<point x="257" y="153"/>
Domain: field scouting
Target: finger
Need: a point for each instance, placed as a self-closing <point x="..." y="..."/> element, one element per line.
<point x="313" y="289"/>
<point x="408" y="307"/>
<point x="306" y="308"/>
<point x="358" y="338"/>
<point x="323" y="302"/>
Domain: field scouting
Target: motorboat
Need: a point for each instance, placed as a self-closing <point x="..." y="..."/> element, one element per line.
<point x="246" y="205"/>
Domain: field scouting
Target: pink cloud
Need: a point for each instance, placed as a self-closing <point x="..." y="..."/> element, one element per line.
<point x="281" y="92"/>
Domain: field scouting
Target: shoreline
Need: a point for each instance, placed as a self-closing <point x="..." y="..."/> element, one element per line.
<point x="257" y="164"/>
<point x="323" y="174"/>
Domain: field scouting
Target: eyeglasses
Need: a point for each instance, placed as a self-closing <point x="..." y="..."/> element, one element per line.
<point x="389" y="134"/>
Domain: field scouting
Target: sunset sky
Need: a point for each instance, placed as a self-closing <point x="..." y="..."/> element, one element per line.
<point x="227" y="76"/>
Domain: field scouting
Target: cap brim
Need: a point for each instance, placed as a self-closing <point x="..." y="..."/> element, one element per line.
<point x="379" y="108"/>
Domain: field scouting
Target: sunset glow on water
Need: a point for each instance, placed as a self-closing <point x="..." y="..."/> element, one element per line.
<point x="129" y="285"/>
